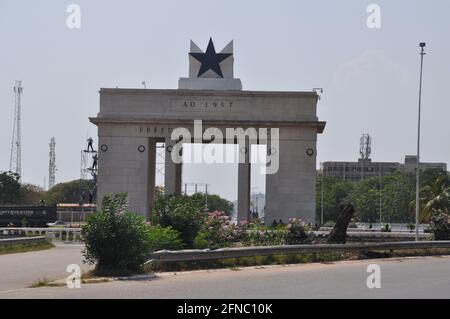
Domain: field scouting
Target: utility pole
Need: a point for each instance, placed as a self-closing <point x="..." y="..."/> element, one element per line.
<point x="422" y="53"/>
<point x="15" y="160"/>
<point x="52" y="164"/>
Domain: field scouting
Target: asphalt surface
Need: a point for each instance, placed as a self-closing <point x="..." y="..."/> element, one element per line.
<point x="24" y="269"/>
<point x="422" y="277"/>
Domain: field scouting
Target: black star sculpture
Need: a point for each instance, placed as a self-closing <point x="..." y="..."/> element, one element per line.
<point x="210" y="59"/>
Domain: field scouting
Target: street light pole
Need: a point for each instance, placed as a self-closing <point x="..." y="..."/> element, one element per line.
<point x="381" y="192"/>
<point x="422" y="53"/>
<point x="321" y="197"/>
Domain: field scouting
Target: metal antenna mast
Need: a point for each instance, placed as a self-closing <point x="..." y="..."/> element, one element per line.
<point x="365" y="148"/>
<point x="52" y="164"/>
<point x="15" y="160"/>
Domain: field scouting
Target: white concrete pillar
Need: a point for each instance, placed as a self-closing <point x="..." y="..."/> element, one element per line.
<point x="123" y="167"/>
<point x="291" y="191"/>
<point x="151" y="174"/>
<point x="172" y="171"/>
<point x="244" y="180"/>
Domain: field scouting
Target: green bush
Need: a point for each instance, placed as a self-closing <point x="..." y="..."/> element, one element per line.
<point x="164" y="238"/>
<point x="183" y="213"/>
<point x="116" y="240"/>
<point x="202" y="240"/>
<point x="411" y="227"/>
<point x="386" y="228"/>
<point x="440" y="226"/>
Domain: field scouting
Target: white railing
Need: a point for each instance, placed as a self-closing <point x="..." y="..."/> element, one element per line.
<point x="54" y="234"/>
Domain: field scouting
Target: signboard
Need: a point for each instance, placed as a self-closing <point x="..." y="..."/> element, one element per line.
<point x="33" y="215"/>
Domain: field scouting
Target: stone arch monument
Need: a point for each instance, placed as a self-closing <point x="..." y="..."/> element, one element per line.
<point x="132" y="121"/>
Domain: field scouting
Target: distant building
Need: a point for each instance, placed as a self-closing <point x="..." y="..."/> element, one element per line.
<point x="410" y="165"/>
<point x="365" y="168"/>
<point x="257" y="206"/>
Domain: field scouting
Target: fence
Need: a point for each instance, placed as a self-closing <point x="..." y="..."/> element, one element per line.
<point x="202" y="255"/>
<point x="74" y="217"/>
<point x="74" y="213"/>
<point x="55" y="234"/>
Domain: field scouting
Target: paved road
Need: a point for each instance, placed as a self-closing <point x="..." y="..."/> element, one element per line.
<point x="427" y="277"/>
<point x="22" y="270"/>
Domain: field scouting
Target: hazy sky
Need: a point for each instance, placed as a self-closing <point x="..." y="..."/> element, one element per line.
<point x="369" y="76"/>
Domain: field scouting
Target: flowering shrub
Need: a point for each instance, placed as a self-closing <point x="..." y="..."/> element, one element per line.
<point x="218" y="231"/>
<point x="440" y="226"/>
<point x="294" y="233"/>
<point x="297" y="232"/>
<point x="264" y="237"/>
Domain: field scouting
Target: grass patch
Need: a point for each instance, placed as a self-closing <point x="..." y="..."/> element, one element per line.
<point x="288" y="259"/>
<point x="407" y="253"/>
<point x="235" y="263"/>
<point x="44" y="282"/>
<point x="114" y="273"/>
<point x="91" y="278"/>
<point x="23" y="248"/>
<point x="86" y="278"/>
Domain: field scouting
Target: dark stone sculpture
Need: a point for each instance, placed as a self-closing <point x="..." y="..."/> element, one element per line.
<point x="95" y="162"/>
<point x="339" y="233"/>
<point x="90" y="147"/>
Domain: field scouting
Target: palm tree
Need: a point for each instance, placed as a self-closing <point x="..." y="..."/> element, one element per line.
<point x="434" y="197"/>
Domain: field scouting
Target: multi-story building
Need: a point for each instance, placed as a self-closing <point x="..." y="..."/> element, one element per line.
<point x="364" y="168"/>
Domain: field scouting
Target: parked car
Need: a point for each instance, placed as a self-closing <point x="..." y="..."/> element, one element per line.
<point x="57" y="224"/>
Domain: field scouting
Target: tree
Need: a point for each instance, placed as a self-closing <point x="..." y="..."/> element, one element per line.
<point x="366" y="198"/>
<point x="435" y="197"/>
<point x="71" y="192"/>
<point x="215" y="203"/>
<point x="10" y="189"/>
<point x="430" y="175"/>
<point x="32" y="194"/>
<point x="335" y="192"/>
<point x="396" y="194"/>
